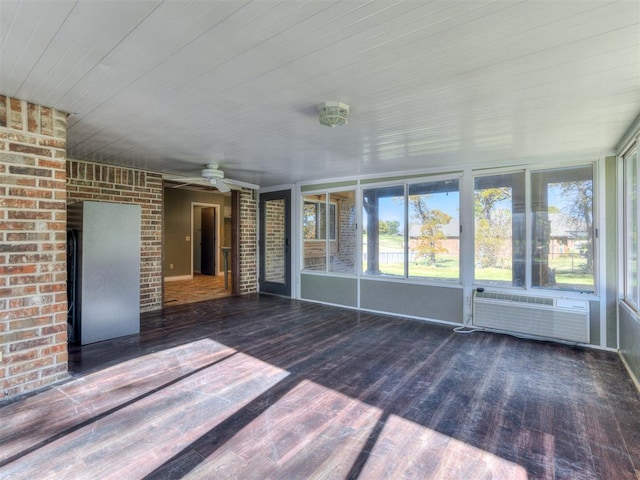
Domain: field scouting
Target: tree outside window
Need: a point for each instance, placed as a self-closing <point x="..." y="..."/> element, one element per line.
<point x="413" y="230"/>
<point x="561" y="231"/>
<point x="499" y="230"/>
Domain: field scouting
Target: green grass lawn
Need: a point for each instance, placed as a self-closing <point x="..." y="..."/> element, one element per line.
<point x="570" y="270"/>
<point x="391" y="243"/>
<point x="445" y="267"/>
<point x="448" y="269"/>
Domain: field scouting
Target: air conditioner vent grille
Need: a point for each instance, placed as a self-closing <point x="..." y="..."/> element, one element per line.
<point x="515" y="298"/>
<point x="558" y="318"/>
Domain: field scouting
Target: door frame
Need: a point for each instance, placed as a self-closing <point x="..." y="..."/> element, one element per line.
<point x="216" y="247"/>
<point x="285" y="289"/>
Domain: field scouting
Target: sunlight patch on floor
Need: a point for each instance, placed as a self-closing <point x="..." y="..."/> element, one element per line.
<point x="406" y="449"/>
<point x="189" y="390"/>
<point x="311" y="432"/>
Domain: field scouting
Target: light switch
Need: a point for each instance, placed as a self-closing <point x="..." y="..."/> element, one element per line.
<point x="187" y="238"/>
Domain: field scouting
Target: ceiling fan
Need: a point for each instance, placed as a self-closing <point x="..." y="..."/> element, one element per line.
<point x="210" y="175"/>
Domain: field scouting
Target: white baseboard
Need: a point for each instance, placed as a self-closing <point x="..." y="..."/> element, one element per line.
<point x="630" y="371"/>
<point x="177" y="278"/>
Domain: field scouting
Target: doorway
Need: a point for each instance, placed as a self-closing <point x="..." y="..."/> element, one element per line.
<point x="275" y="242"/>
<point x="184" y="281"/>
<point x="205" y="234"/>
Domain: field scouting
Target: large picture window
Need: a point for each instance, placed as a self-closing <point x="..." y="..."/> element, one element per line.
<point x="434" y="230"/>
<point x="562" y="229"/>
<point x="500" y="248"/>
<point x="561" y="232"/>
<point x="412" y="230"/>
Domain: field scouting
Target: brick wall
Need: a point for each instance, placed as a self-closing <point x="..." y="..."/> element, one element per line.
<point x="33" y="302"/>
<point x="248" y="255"/>
<point x="274" y="236"/>
<point x="36" y="183"/>
<point x="108" y="183"/>
<point x="344" y="259"/>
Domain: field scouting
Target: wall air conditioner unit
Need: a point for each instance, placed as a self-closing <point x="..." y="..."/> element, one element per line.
<point x="554" y="318"/>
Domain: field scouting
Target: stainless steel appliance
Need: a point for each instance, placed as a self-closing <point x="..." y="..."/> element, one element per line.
<point x="104" y="273"/>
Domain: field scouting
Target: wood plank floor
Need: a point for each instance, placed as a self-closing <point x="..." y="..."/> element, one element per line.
<point x="261" y="387"/>
<point x="198" y="289"/>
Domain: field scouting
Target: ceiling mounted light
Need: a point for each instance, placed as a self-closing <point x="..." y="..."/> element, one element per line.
<point x="333" y="114"/>
<point x="211" y="171"/>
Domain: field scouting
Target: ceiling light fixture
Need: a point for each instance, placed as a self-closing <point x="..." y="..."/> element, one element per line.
<point x="211" y="171"/>
<point x="333" y="114"/>
<point x="212" y="174"/>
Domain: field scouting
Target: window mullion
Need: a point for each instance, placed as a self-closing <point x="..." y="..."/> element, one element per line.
<point x="327" y="227"/>
<point x="528" y="231"/>
<point x="631" y="230"/>
<point x="636" y="200"/>
<point x="406" y="231"/>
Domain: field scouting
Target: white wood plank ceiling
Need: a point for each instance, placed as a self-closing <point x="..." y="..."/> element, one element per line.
<point x="170" y="85"/>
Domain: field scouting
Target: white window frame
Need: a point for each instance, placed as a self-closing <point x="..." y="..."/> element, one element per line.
<point x="528" y="170"/>
<point x="332" y="205"/>
<point x="405" y="184"/>
<point x="631" y="151"/>
<point x="327" y="195"/>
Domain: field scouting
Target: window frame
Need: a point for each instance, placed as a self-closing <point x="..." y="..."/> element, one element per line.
<point x="327" y="193"/>
<point x="631" y="153"/>
<point x="528" y="171"/>
<point x="333" y="207"/>
<point x="527" y="265"/>
<point x="405" y="184"/>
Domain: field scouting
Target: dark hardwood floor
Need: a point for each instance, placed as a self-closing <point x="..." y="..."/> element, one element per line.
<point x="261" y="387"/>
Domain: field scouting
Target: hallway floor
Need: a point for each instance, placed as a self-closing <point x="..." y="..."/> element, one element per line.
<point x="201" y="287"/>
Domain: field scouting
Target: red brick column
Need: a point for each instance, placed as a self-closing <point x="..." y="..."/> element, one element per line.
<point x="248" y="256"/>
<point x="33" y="266"/>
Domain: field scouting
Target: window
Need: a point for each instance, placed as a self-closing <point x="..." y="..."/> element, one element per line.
<point x="434" y="230"/>
<point x="337" y="253"/>
<point x="561" y="232"/>
<point x="342" y="206"/>
<point x="383" y="231"/>
<point x="500" y="229"/>
<point x="412" y="231"/>
<point x="630" y="165"/>
<point x="562" y="229"/>
<point x="315" y="219"/>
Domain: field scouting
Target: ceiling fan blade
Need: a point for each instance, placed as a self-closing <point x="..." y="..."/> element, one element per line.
<point x="181" y="179"/>
<point x="215" y="180"/>
<point x="237" y="184"/>
<point x="181" y="185"/>
<point x="223" y="187"/>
